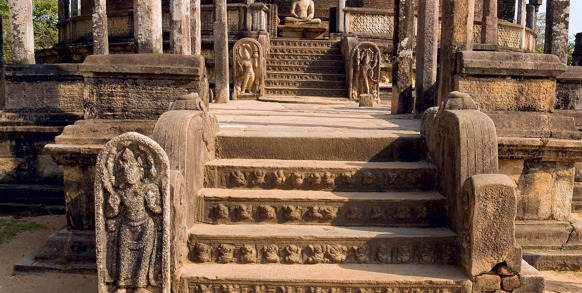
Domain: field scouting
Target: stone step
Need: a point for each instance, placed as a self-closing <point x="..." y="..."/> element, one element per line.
<point x="312" y="92"/>
<point x="35" y="199"/>
<point x="325" y="145"/>
<point x="325" y="64"/>
<point x="304" y="83"/>
<point x="304" y="43"/>
<point x="300" y="56"/>
<point x="322" y="278"/>
<point x="577" y="197"/>
<point x="306" y="76"/>
<point x="563" y="260"/>
<point x="403" y="209"/>
<point x="319" y="175"/>
<point x="304" y="50"/>
<point x="306" y="69"/>
<point x="310" y="244"/>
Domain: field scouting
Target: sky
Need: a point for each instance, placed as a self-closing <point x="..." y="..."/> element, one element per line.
<point x="575" y="22"/>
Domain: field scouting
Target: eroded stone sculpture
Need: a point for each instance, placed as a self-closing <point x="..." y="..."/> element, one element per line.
<point x="302" y="12"/>
<point x="365" y="75"/>
<point x="247" y="69"/>
<point x="132" y="195"/>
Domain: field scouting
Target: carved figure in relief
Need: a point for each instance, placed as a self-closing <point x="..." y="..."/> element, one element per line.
<point x="202" y="252"/>
<point x="362" y="253"/>
<point x="237" y="179"/>
<point x="243" y="212"/>
<point x="247" y="64"/>
<point x="134" y="203"/>
<point x="346" y="178"/>
<point x="354" y="213"/>
<point x="291" y="213"/>
<point x="271" y="253"/>
<point x="336" y="253"/>
<point x="219" y="212"/>
<point x="266" y="213"/>
<point x="248" y="253"/>
<point x="315" y="179"/>
<point x="257" y="178"/>
<point x="292" y="254"/>
<point x="427" y="254"/>
<point x="302" y="12"/>
<point x="296" y="179"/>
<point x="403" y="254"/>
<point x="368" y="178"/>
<point x="328" y="213"/>
<point x="384" y="253"/>
<point x="203" y="289"/>
<point x="378" y="213"/>
<point x="225" y="253"/>
<point x="328" y="179"/>
<point x="402" y="212"/>
<point x="278" y="178"/>
<point x="315" y="254"/>
<point x="366" y="70"/>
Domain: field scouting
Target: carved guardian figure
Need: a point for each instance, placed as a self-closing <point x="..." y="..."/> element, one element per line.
<point x="247" y="69"/>
<point x="365" y="71"/>
<point x="131" y="193"/>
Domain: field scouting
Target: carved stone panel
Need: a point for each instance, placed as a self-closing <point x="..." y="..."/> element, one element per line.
<point x="248" y="69"/>
<point x="132" y="215"/>
<point x="364" y="72"/>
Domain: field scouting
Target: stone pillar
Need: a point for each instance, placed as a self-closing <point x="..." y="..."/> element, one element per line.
<point x="557" y="21"/>
<point x="195" y="27"/>
<point x="520" y="11"/>
<point x="402" y="100"/>
<point x="147" y="26"/>
<point x="221" y="87"/>
<point x="180" y="40"/>
<point x="341" y="4"/>
<point x="426" y="54"/>
<point x="64" y="9"/>
<point x="248" y="17"/>
<point x="456" y="35"/>
<point x="531" y="16"/>
<point x="22" y="31"/>
<point x="577" y="55"/>
<point x="489" y="23"/>
<point x="75" y="8"/>
<point x="100" y="33"/>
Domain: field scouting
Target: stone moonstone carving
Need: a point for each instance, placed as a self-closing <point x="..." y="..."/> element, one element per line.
<point x="247" y="69"/>
<point x="365" y="71"/>
<point x="132" y="215"/>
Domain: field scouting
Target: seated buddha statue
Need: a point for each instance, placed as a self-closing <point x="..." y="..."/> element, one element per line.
<point x="302" y="12"/>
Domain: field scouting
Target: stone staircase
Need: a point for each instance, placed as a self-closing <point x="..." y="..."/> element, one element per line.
<point x="320" y="224"/>
<point x="305" y="68"/>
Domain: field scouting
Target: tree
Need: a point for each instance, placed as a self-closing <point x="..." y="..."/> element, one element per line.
<point x="44" y="22"/>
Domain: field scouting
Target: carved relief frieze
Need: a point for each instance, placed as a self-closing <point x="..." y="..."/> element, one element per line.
<point x="132" y="213"/>
<point x="208" y="287"/>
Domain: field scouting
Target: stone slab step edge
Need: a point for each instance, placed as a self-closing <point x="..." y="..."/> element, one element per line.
<point x="335" y="175"/>
<point x="289" y="83"/>
<point x="570" y="260"/>
<point x="351" y="278"/>
<point x="304" y="244"/>
<point x="311" y="63"/>
<point x="326" y="56"/>
<point x="577" y="197"/>
<point x="327" y="146"/>
<point x="305" y="76"/>
<point x="402" y="209"/>
<point x="319" y="92"/>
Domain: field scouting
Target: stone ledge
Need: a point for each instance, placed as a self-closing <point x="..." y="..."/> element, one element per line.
<point x="544" y="149"/>
<point x="573" y="73"/>
<point x="542" y="234"/>
<point x="144" y="64"/>
<point x="509" y="63"/>
<point x="65" y="71"/>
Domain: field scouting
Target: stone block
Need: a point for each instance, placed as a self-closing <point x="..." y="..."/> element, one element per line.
<point x="510" y="283"/>
<point x="486" y="283"/>
<point x="531" y="280"/>
<point x="542" y="234"/>
<point x="366" y="100"/>
<point x="488" y="243"/>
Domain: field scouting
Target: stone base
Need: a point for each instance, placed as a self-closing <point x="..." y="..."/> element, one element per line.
<point x="532" y="281"/>
<point x="555" y="260"/>
<point x="303" y="31"/>
<point x="542" y="234"/>
<point x="70" y="251"/>
<point x="366" y="100"/>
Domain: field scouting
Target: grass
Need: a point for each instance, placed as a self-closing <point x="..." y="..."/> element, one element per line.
<point x="9" y="228"/>
<point x="575" y="273"/>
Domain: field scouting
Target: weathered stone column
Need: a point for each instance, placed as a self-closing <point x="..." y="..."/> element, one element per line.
<point x="195" y="27"/>
<point x="221" y="87"/>
<point x="402" y="100"/>
<point x="341" y="4"/>
<point x="557" y="21"/>
<point x="63" y="9"/>
<point x="22" y="31"/>
<point x="520" y="11"/>
<point x="489" y="23"/>
<point x="456" y="35"/>
<point x="147" y="26"/>
<point x="100" y="33"/>
<point x="426" y="54"/>
<point x="180" y="40"/>
<point x="532" y="13"/>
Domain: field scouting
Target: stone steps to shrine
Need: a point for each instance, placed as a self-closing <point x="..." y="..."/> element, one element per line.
<point x="284" y="144"/>
<point x="311" y="244"/>
<point x="311" y="207"/>
<point x="325" y="278"/>
<point x="333" y="175"/>
<point x="305" y="68"/>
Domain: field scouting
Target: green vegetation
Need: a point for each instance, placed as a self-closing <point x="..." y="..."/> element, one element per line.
<point x="575" y="273"/>
<point x="44" y="18"/>
<point x="9" y="228"/>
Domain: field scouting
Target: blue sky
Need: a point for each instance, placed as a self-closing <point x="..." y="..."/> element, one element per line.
<point x="575" y="22"/>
